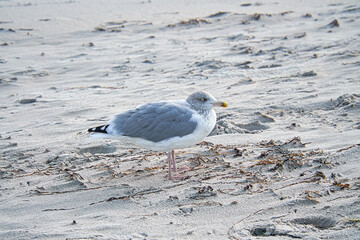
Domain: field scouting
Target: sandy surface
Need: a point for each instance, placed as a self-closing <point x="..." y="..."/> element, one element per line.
<point x="283" y="161"/>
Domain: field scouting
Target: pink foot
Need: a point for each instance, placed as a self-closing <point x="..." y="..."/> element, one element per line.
<point x="183" y="169"/>
<point x="179" y="177"/>
<point x="177" y="172"/>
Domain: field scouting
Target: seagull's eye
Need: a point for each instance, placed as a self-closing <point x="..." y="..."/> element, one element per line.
<point x="203" y="99"/>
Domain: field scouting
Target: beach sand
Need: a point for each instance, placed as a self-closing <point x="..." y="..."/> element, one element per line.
<point x="282" y="162"/>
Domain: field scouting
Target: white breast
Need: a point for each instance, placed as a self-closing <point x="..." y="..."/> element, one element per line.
<point x="203" y="129"/>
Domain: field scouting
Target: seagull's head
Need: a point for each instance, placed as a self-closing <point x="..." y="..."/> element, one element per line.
<point x="204" y="101"/>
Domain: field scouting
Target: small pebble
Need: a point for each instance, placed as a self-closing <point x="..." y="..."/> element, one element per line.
<point x="334" y="23"/>
<point x="186" y="209"/>
<point x="27" y="100"/>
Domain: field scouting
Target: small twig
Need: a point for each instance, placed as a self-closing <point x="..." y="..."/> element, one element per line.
<point x="126" y="197"/>
<point x="57" y="209"/>
<point x="344" y="149"/>
<point x="76" y="190"/>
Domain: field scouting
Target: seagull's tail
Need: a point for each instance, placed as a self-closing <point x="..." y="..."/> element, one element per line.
<point x="99" y="132"/>
<point x="99" y="129"/>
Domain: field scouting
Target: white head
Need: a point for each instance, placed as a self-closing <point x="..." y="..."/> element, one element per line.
<point x="203" y="101"/>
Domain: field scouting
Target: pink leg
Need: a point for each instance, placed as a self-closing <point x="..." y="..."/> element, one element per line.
<point x="173" y="160"/>
<point x="169" y="161"/>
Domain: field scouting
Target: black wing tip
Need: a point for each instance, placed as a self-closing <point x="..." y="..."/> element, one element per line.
<point x="99" y="129"/>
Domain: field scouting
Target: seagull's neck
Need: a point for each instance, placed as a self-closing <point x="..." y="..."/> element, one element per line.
<point x="205" y="113"/>
<point x="201" y="111"/>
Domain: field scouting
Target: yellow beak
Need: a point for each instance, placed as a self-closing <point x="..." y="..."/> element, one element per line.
<point x="220" y="104"/>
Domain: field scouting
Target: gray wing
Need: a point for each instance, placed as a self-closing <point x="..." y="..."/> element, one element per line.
<point x="154" y="122"/>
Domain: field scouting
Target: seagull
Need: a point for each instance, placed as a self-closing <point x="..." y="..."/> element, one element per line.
<point x="164" y="126"/>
